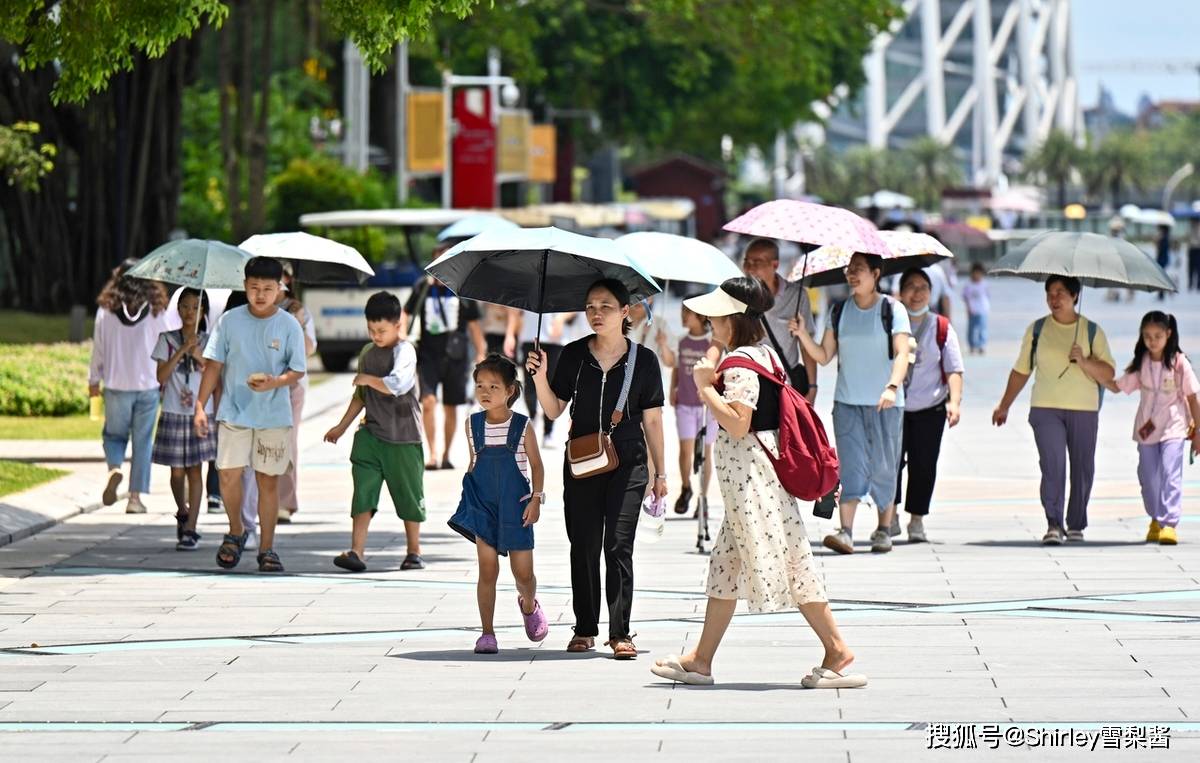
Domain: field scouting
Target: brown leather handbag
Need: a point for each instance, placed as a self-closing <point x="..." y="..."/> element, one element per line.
<point x="593" y="454"/>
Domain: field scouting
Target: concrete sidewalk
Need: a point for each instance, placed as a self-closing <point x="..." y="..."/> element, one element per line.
<point x="111" y="642"/>
<point x="31" y="511"/>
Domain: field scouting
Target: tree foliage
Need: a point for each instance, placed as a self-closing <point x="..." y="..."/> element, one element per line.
<point x="672" y="74"/>
<point x="22" y="163"/>
<point x="922" y="170"/>
<point x="91" y="40"/>
<point x="1055" y="160"/>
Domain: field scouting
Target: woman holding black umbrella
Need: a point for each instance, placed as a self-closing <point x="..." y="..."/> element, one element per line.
<point x="611" y="385"/>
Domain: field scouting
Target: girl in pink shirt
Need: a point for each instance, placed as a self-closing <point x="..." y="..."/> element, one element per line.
<point x="1165" y="420"/>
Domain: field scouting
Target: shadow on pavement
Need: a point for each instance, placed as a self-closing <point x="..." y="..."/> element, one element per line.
<point x="505" y="655"/>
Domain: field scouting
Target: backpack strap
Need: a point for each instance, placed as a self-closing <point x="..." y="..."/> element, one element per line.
<point x="1092" y="328"/>
<point x="1037" y="334"/>
<point x="943" y="333"/>
<point x="835" y="317"/>
<point x="887" y="318"/>
<point x="516" y="430"/>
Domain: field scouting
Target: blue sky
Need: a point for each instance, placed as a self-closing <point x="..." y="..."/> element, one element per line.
<point x="1107" y="32"/>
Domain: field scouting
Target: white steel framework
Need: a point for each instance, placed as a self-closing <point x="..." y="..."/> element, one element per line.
<point x="1006" y="64"/>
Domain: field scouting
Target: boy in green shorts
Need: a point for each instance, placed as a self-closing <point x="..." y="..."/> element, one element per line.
<point x="387" y="446"/>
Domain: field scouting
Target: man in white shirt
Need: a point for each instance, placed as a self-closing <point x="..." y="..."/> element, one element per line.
<point x="761" y="260"/>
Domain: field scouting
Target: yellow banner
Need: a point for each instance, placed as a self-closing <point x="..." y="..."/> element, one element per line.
<point x="513" y="142"/>
<point x="426" y="138"/>
<point x="542" y="159"/>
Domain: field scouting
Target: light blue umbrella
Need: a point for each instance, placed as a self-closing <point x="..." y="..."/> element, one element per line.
<point x="196" y="263"/>
<point x="668" y="257"/>
<point x="472" y="226"/>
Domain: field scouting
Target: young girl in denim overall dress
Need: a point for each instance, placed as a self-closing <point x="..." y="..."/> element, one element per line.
<point x="498" y="508"/>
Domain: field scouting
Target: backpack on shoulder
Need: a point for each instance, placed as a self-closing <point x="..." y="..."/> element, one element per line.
<point x="807" y="465"/>
<point x="1037" y="334"/>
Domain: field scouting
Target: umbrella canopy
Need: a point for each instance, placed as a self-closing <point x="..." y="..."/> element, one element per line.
<point x="1094" y="259"/>
<point x="813" y="224"/>
<point x="543" y="270"/>
<point x="314" y="259"/>
<point x="960" y="235"/>
<point x="668" y="257"/>
<point x="472" y="226"/>
<point x="195" y="262"/>
<point x="885" y="200"/>
<point x="907" y="249"/>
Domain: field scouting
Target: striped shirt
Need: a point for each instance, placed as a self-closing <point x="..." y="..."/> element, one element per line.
<point x="496" y="435"/>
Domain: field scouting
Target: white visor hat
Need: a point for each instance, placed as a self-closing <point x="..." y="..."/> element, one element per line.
<point x="716" y="304"/>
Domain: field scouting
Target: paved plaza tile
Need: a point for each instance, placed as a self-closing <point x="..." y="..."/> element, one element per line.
<point x="113" y="646"/>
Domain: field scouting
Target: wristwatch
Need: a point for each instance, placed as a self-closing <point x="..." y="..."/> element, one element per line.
<point x="893" y="387"/>
<point x="540" y="496"/>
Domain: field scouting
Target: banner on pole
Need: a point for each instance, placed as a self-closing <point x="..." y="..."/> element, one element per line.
<point x="426" y="133"/>
<point x="515" y="126"/>
<point x="542" y="160"/>
<point x="474" y="150"/>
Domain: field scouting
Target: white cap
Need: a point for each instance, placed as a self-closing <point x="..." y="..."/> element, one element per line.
<point x="715" y="304"/>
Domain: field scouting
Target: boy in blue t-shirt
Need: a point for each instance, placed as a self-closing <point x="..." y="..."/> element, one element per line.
<point x="255" y="353"/>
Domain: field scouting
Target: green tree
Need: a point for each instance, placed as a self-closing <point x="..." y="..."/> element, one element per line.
<point x="105" y="80"/>
<point x="672" y="74"/>
<point x="22" y="163"/>
<point x="936" y="167"/>
<point x="1054" y="161"/>
<point x="1121" y="161"/>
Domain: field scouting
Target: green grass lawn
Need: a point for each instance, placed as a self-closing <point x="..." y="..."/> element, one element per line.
<point x="19" y="327"/>
<point x="15" y="477"/>
<point x="49" y="428"/>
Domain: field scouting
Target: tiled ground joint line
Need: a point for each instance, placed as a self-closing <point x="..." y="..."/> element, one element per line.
<point x="1036" y="608"/>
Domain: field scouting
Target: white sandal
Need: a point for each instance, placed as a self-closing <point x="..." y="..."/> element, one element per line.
<point x="824" y="678"/>
<point x="672" y="670"/>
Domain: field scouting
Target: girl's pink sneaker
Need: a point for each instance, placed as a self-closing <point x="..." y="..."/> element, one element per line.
<point x="536" y="625"/>
<point x="486" y="644"/>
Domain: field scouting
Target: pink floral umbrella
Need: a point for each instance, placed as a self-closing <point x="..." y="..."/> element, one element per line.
<point x="813" y="224"/>
<point x="906" y="249"/>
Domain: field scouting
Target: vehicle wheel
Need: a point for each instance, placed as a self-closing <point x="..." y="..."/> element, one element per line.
<point x="335" y="362"/>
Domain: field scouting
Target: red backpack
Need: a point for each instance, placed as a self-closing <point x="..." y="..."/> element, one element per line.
<point x="807" y="466"/>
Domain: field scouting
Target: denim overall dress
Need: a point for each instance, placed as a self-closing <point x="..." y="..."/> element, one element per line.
<point x="495" y="492"/>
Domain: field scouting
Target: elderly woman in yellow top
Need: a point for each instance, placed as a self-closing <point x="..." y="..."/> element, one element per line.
<point x="1068" y="356"/>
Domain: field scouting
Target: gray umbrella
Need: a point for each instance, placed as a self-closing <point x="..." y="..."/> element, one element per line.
<point x="1094" y="259"/>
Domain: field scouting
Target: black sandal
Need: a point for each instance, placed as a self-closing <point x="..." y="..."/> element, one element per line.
<point x="231" y="548"/>
<point x="348" y="560"/>
<point x="268" y="561"/>
<point x="413" y="562"/>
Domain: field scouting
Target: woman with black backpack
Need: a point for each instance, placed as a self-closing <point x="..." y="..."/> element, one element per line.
<point x="762" y="553"/>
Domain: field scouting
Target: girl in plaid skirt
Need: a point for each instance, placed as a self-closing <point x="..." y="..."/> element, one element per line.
<point x="180" y="366"/>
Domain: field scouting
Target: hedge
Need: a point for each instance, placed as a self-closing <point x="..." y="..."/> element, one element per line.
<point x="44" y="379"/>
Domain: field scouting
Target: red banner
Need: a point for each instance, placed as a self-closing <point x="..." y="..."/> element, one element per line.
<point x="473" y="150"/>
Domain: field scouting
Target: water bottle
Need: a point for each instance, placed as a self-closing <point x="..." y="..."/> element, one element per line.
<point x="653" y="520"/>
<point x="96" y="408"/>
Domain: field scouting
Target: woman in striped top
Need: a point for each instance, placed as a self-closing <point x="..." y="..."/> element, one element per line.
<point x="502" y="497"/>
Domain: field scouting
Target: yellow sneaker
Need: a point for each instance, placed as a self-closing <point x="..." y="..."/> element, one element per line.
<point x="1167" y="537"/>
<point x="1153" y="533"/>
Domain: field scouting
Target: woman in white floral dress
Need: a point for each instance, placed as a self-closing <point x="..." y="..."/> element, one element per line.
<point x="762" y="553"/>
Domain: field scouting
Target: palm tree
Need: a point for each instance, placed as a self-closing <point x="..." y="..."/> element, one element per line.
<point x="1054" y="161"/>
<point x="1120" y="160"/>
<point x="936" y="167"/>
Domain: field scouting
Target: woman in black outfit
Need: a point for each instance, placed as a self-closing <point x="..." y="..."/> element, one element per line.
<point x="602" y="511"/>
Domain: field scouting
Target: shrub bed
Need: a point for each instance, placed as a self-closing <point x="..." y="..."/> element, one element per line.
<point x="44" y="379"/>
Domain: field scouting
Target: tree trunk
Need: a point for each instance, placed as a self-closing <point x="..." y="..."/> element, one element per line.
<point x="259" y="138"/>
<point x="95" y="207"/>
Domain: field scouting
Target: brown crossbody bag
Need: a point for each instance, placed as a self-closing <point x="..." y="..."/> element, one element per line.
<point x="593" y="454"/>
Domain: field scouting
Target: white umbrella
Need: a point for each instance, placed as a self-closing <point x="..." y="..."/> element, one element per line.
<point x="472" y="226"/>
<point x="885" y="200"/>
<point x="668" y="257"/>
<point x="314" y="259"/>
